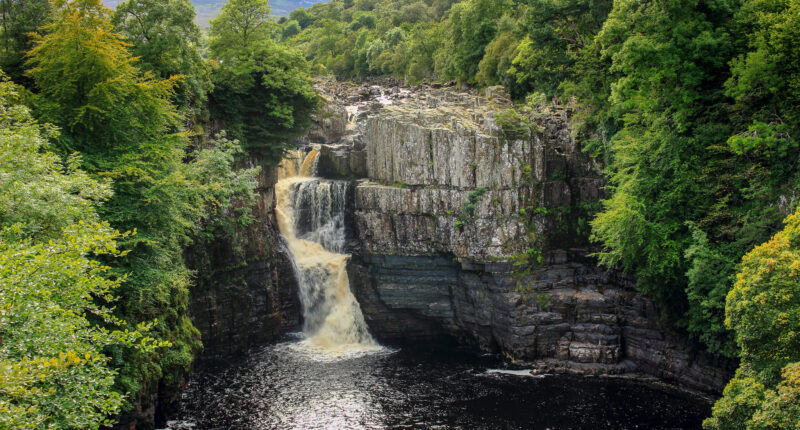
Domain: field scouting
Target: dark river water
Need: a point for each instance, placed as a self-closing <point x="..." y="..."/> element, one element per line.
<point x="280" y="388"/>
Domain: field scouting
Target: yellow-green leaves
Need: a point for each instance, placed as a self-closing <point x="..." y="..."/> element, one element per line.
<point x="90" y="87"/>
<point x="240" y="27"/>
<point x="763" y="309"/>
<point x="53" y="373"/>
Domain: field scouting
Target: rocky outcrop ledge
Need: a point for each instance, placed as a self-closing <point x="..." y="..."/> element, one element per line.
<point x="445" y="197"/>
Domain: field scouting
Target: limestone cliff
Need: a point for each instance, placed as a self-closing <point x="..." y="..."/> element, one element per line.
<point x="446" y="198"/>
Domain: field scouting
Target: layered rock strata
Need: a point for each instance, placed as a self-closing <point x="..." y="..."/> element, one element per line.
<point x="446" y="197"/>
<point x="246" y="292"/>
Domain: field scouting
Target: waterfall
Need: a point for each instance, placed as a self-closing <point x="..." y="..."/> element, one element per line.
<point x="311" y="217"/>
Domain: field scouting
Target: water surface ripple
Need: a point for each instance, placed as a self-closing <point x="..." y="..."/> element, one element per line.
<point x="280" y="387"/>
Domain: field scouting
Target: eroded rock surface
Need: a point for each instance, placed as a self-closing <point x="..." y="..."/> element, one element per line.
<point x="246" y="292"/>
<point x="244" y="296"/>
<point x="428" y="263"/>
<point x="567" y="317"/>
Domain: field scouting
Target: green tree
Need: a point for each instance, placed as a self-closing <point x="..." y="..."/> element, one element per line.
<point x="263" y="94"/>
<point x="41" y="211"/>
<point x="495" y="66"/>
<point x="54" y="372"/>
<point x="361" y="38"/>
<point x="90" y="87"/>
<point x="767" y="99"/>
<point x="167" y="42"/>
<point x="290" y="29"/>
<point x="470" y="27"/>
<point x="421" y="50"/>
<point x="124" y="125"/>
<point x="556" y="33"/>
<point x="763" y="309"/>
<point x="240" y="27"/>
<point x="18" y="19"/>
<point x="669" y="59"/>
<point x="763" y="81"/>
<point x="303" y="18"/>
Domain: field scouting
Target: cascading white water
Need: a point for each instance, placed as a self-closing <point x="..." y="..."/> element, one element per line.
<point x="310" y="213"/>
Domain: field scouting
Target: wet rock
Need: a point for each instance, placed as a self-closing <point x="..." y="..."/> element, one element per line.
<point x="329" y="125"/>
<point x="439" y="209"/>
<point x="244" y="296"/>
<point x="342" y="161"/>
<point x="246" y="292"/>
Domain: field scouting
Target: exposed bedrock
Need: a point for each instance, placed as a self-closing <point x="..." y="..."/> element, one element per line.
<point x="246" y="293"/>
<point x="443" y="200"/>
<point x="568" y="317"/>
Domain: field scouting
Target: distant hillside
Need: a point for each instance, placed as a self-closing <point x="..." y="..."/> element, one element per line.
<point x="283" y="7"/>
<point x="207" y="9"/>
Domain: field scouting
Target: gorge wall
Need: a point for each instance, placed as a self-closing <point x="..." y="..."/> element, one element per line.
<point x="443" y="201"/>
<point x="246" y="292"/>
<point x="446" y="198"/>
<point x="245" y="295"/>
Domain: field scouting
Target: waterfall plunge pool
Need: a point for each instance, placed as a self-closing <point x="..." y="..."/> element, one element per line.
<point x="335" y="376"/>
<point x="281" y="387"/>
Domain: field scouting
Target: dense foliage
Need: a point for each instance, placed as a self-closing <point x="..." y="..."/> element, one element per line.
<point x="20" y="19"/>
<point x="53" y="361"/>
<point x="692" y="106"/>
<point x="763" y="309"/>
<point x="671" y="62"/>
<point x="127" y="94"/>
<point x="261" y="89"/>
<point x="167" y="43"/>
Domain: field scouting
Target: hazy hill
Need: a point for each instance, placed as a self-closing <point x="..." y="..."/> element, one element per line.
<point x="207" y="9"/>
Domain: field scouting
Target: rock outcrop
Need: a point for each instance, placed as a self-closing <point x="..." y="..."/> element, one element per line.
<point x="246" y="294"/>
<point x="566" y="317"/>
<point x="450" y="189"/>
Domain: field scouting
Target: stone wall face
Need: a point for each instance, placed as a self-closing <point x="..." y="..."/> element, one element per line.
<point x="246" y="294"/>
<point x="568" y="317"/>
<point x="416" y="156"/>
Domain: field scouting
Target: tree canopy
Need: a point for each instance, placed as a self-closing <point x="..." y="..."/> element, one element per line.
<point x="112" y="165"/>
<point x="19" y="19"/>
<point x="54" y="369"/>
<point x="167" y="42"/>
<point x="131" y="166"/>
<point x="763" y="309"/>
<point x="262" y="93"/>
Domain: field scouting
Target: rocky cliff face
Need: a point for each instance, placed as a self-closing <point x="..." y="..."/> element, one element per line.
<point x="246" y="293"/>
<point x="570" y="317"/>
<point x="447" y="197"/>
